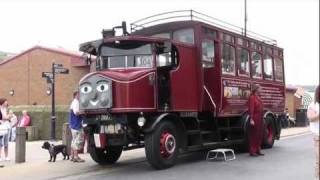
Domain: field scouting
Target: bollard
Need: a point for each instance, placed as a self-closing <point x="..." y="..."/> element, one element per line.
<point x="66" y="137"/>
<point x="20" y="144"/>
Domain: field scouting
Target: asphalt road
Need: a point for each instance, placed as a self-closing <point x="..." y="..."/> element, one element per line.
<point x="290" y="158"/>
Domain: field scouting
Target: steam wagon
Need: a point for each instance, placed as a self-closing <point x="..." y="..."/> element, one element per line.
<point x="174" y="86"/>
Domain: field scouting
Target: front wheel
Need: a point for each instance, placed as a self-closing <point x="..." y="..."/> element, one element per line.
<point x="161" y="145"/>
<point x="108" y="155"/>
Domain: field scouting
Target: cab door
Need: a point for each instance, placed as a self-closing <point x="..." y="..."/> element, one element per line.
<point x="166" y="61"/>
<point x="211" y="85"/>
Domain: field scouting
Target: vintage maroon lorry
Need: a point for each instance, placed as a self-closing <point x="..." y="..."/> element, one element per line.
<point x="174" y="86"/>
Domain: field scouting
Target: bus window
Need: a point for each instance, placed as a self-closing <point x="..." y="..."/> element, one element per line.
<point x="280" y="53"/>
<point x="239" y="41"/>
<point x="256" y="67"/>
<point x="275" y="52"/>
<point x="210" y="33"/>
<point x="243" y="62"/>
<point x="253" y="45"/>
<point x="164" y="59"/>
<point x="162" y="35"/>
<point x="278" y="69"/>
<point x="207" y="53"/>
<point x="228" y="59"/>
<point x="184" y="35"/>
<point x="267" y="67"/>
<point x="167" y="59"/>
<point x="228" y="38"/>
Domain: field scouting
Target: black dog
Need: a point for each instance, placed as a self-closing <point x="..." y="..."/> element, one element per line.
<point x="54" y="150"/>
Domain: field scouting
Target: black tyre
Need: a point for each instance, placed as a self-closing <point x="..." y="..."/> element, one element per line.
<point x="161" y="145"/>
<point x="106" y="156"/>
<point x="269" y="132"/>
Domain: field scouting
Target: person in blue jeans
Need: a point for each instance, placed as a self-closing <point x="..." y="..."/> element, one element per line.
<point x="75" y="124"/>
<point x="4" y="121"/>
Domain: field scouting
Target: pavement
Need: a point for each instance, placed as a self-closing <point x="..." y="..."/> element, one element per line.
<point x="37" y="160"/>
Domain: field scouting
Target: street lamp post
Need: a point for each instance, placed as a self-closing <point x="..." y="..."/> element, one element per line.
<point x="50" y="77"/>
<point x="53" y="112"/>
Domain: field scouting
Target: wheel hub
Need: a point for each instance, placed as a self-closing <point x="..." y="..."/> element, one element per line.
<point x="167" y="144"/>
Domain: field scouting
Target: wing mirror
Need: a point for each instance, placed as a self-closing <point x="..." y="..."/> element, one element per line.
<point x="87" y="58"/>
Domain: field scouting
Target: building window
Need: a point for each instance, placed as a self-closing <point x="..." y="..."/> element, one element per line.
<point x="228" y="59"/>
<point x="243" y="62"/>
<point x="184" y="35"/>
<point x="256" y="67"/>
<point x="278" y="69"/>
<point x="267" y="67"/>
<point x="207" y="53"/>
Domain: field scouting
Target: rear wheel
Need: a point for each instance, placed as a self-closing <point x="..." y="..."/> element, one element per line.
<point x="108" y="155"/>
<point x="269" y="133"/>
<point x="161" y="145"/>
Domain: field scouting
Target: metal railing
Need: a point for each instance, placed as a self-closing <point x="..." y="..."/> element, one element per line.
<point x="191" y="15"/>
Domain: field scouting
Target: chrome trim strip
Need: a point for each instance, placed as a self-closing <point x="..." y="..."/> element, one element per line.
<point x="211" y="99"/>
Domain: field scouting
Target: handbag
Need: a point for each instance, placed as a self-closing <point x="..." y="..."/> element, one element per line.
<point x="4" y="128"/>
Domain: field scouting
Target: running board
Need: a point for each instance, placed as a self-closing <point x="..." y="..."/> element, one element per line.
<point x="209" y="145"/>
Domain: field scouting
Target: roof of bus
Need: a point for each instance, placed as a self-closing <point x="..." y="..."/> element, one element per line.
<point x="171" y="26"/>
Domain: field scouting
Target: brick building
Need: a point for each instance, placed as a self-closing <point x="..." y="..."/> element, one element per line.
<point x="292" y="102"/>
<point x="22" y="74"/>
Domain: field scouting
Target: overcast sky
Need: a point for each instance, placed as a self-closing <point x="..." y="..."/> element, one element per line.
<point x="67" y="23"/>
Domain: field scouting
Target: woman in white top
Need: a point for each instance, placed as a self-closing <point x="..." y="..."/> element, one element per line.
<point x="5" y="123"/>
<point x="313" y="116"/>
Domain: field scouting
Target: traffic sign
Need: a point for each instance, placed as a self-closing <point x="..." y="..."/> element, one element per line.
<point x="61" y="71"/>
<point x="47" y="74"/>
<point x="57" y="65"/>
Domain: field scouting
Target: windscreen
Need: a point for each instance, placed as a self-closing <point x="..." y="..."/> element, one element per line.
<point x="125" y="55"/>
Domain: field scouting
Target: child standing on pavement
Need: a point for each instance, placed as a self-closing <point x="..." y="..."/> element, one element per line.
<point x="75" y="124"/>
<point x="13" y="123"/>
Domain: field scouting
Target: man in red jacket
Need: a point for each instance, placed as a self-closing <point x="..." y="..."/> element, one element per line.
<point x="256" y="122"/>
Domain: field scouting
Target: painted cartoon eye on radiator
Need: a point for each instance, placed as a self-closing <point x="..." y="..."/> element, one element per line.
<point x="103" y="87"/>
<point x="86" y="89"/>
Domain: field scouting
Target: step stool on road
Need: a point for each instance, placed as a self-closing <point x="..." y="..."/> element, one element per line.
<point x="214" y="154"/>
